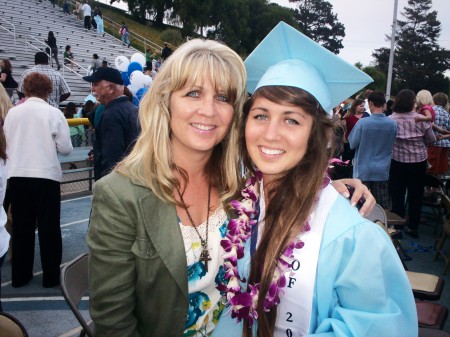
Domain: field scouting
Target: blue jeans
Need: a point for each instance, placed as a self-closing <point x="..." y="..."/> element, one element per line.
<point x="126" y="38"/>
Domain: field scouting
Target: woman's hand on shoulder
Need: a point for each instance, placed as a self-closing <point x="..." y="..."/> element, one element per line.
<point x="361" y="191"/>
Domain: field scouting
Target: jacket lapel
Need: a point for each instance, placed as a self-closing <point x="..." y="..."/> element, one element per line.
<point x="161" y="223"/>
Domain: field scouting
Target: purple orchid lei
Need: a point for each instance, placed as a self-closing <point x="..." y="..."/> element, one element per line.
<point x="244" y="303"/>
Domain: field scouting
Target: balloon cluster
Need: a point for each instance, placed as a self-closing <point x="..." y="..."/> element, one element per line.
<point x="132" y="75"/>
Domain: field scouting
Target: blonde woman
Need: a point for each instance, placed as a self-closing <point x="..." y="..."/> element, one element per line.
<point x="161" y="211"/>
<point x="158" y="219"/>
<point x="5" y="103"/>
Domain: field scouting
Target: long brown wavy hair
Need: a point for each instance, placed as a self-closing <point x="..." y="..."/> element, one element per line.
<point x="291" y="198"/>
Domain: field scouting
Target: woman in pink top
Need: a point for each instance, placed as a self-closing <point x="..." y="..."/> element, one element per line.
<point x="409" y="159"/>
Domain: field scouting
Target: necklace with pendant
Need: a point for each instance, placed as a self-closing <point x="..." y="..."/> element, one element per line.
<point x="204" y="255"/>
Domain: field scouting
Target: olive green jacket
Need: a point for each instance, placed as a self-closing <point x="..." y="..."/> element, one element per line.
<point x="138" y="274"/>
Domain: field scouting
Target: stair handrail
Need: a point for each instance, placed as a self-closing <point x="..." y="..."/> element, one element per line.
<point x="65" y="66"/>
<point x="146" y="42"/>
<point x="33" y="46"/>
<point x="14" y="29"/>
<point x="116" y="26"/>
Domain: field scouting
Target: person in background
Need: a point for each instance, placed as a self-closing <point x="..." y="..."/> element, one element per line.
<point x="104" y="64"/>
<point x="373" y="138"/>
<point x="409" y="160"/>
<point x="68" y="57"/>
<point x="66" y="7"/>
<point x="353" y="115"/>
<point x="438" y="152"/>
<point x="87" y="12"/>
<point x="424" y="106"/>
<point x="98" y="19"/>
<point x="77" y="134"/>
<point x="166" y="51"/>
<point x="118" y="127"/>
<point x="60" y="89"/>
<point x="36" y="133"/>
<point x="125" y="34"/>
<point x="148" y="59"/>
<point x="388" y="110"/>
<point x="78" y="10"/>
<point x="165" y="202"/>
<point x="51" y="41"/>
<point x="96" y="63"/>
<point x="6" y="77"/>
<point x="299" y="260"/>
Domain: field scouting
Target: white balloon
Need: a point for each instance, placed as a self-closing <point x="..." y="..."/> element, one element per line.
<point x="121" y="62"/>
<point x="133" y="90"/>
<point x="147" y="81"/>
<point x="137" y="79"/>
<point x="139" y="58"/>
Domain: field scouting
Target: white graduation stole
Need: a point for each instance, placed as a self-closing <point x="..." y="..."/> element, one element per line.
<point x="295" y="308"/>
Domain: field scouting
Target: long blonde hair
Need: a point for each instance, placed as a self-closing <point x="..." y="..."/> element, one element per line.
<point x="291" y="198"/>
<point x="151" y="160"/>
<point x="5" y="103"/>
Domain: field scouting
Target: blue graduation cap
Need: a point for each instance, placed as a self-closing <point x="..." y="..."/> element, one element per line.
<point x="286" y="57"/>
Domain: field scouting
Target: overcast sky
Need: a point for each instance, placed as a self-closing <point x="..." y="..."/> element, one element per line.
<point x="368" y="21"/>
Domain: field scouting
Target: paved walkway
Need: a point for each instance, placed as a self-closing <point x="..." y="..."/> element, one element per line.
<point x="44" y="312"/>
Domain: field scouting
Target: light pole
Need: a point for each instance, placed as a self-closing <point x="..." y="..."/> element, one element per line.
<point x="391" y="54"/>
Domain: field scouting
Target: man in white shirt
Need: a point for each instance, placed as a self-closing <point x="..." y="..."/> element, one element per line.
<point x="87" y="15"/>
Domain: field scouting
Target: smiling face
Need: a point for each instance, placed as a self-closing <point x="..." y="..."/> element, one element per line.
<point x="360" y="109"/>
<point x="200" y="118"/>
<point x="276" y="136"/>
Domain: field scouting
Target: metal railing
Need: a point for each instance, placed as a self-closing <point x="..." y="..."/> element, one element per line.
<point x="14" y="29"/>
<point x="114" y="27"/>
<point x="33" y="46"/>
<point x="66" y="66"/>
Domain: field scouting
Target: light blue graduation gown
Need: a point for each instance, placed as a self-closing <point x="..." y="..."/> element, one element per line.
<point x="361" y="287"/>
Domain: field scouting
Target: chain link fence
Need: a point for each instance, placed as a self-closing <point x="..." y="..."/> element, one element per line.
<point x="77" y="167"/>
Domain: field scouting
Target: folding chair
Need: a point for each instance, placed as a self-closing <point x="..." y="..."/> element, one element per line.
<point x="425" y="286"/>
<point x="445" y="233"/>
<point x="74" y="284"/>
<point x="378" y="215"/>
<point x="11" y="327"/>
<point x="433" y="193"/>
<point x="431" y="315"/>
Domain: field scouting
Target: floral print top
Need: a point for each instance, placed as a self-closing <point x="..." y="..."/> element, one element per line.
<point x="205" y="307"/>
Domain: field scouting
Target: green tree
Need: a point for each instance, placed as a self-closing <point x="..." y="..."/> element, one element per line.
<point x="419" y="61"/>
<point x="264" y="17"/>
<point x="230" y="23"/>
<point x="155" y="10"/>
<point x="379" y="78"/>
<point x="193" y="15"/>
<point x="317" y="21"/>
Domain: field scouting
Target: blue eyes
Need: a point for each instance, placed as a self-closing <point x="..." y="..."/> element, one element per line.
<point x="196" y="93"/>
<point x="292" y="121"/>
<point x="222" y="98"/>
<point x="286" y="120"/>
<point x="192" y="94"/>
